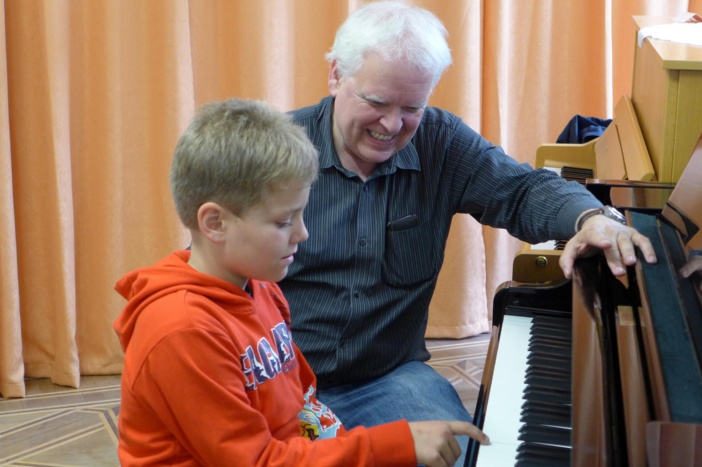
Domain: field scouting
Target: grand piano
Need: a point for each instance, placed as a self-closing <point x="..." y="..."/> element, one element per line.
<point x="600" y="370"/>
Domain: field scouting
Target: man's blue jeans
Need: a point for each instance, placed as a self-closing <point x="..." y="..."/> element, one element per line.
<point x="413" y="391"/>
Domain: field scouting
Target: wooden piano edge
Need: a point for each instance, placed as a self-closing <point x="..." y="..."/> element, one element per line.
<point x="483" y="394"/>
<point x="670" y="443"/>
<point x="667" y="442"/>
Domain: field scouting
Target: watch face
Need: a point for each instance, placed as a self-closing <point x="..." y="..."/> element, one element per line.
<point x="612" y="213"/>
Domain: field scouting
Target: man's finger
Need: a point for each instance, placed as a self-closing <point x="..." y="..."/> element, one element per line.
<point x="645" y="246"/>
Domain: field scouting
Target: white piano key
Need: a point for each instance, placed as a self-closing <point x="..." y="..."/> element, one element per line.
<point x="548" y="245"/>
<point x="505" y="401"/>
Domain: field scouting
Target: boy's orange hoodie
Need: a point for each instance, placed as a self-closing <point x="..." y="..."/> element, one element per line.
<point x="212" y="377"/>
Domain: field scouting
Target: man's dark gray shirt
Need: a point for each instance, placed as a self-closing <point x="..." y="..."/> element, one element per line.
<point x="360" y="286"/>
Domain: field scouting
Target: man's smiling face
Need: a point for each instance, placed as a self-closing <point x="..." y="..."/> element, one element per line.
<point x="376" y="111"/>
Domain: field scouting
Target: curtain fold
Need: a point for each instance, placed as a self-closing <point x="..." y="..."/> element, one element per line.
<point x="11" y="363"/>
<point x="94" y="94"/>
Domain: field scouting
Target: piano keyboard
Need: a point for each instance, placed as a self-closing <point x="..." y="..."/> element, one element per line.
<point x="576" y="174"/>
<point x="530" y="415"/>
<point x="546" y="412"/>
<point x="502" y="426"/>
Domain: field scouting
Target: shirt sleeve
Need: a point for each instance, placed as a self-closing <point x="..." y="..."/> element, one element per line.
<point x="532" y="205"/>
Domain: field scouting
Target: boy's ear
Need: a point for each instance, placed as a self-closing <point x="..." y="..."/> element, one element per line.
<point x="210" y="219"/>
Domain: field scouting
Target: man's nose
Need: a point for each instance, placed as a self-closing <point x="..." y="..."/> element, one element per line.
<point x="392" y="120"/>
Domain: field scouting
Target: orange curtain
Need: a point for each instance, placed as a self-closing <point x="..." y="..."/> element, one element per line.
<point x="94" y="94"/>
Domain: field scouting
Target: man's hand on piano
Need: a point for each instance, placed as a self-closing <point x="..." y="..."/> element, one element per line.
<point x="617" y="241"/>
<point x="693" y="265"/>
<point x="435" y="443"/>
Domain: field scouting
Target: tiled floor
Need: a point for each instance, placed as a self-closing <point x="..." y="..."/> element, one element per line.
<point x="461" y="362"/>
<point x="57" y="426"/>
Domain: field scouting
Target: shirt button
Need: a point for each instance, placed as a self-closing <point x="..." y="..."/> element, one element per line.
<point x="343" y="344"/>
<point x="356" y="294"/>
<point x="362" y="242"/>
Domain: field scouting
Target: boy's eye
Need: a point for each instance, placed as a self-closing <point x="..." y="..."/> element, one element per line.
<point x="285" y="224"/>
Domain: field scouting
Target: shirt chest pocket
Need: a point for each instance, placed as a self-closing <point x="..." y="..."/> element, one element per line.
<point x="411" y="256"/>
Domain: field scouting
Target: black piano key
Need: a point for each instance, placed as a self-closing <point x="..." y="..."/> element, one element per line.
<point x="546" y="418"/>
<point x="548" y="388"/>
<point x="541" y="376"/>
<point x="562" y="321"/>
<point x="537" y="406"/>
<point x="539" y="340"/>
<point x="541" y="321"/>
<point x="532" y="454"/>
<point x="578" y="170"/>
<point x="551" y="335"/>
<point x="543" y="452"/>
<point x="551" y="363"/>
<point x="542" y="394"/>
<point x="550" y="360"/>
<point x="559" y="417"/>
<point x="551" y="340"/>
<point x="547" y="372"/>
<point x="554" y="350"/>
<point x="549" y="326"/>
<point x="576" y="174"/>
<point x="545" y="434"/>
<point x="563" y="344"/>
<point x="536" y="462"/>
<point x="548" y="353"/>
<point x="561" y="384"/>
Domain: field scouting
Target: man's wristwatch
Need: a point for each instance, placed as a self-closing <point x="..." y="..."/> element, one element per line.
<point x="607" y="211"/>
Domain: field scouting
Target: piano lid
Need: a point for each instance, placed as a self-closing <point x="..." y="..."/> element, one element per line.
<point x="684" y="207"/>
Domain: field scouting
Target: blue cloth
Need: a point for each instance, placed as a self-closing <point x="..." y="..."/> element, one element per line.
<point x="413" y="391"/>
<point x="360" y="286"/>
<point x="582" y="129"/>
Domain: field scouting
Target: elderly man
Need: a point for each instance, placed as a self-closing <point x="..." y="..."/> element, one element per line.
<point x="393" y="172"/>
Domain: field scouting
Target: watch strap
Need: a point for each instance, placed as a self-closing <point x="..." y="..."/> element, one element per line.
<point x="607" y="211"/>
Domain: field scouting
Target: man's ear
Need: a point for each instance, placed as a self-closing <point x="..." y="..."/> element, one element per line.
<point x="210" y="219"/>
<point x="334" y="79"/>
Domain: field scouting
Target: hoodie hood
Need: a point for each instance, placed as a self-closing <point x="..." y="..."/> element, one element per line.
<point x="172" y="274"/>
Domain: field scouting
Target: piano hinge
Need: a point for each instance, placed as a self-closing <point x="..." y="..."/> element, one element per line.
<point x="625" y="316"/>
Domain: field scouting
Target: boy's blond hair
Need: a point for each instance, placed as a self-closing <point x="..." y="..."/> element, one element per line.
<point x="235" y="152"/>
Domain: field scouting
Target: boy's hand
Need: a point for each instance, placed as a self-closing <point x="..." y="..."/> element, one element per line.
<point x="435" y="442"/>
